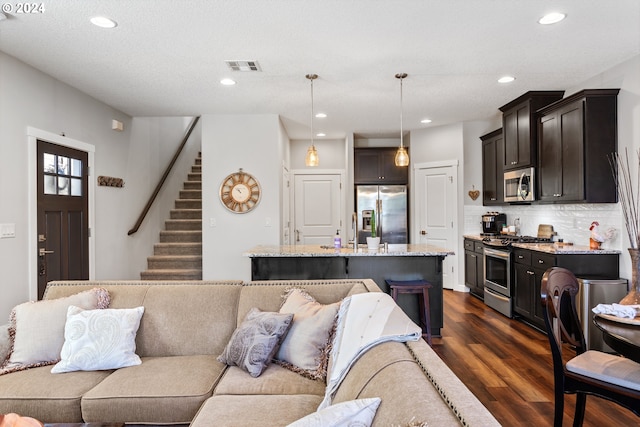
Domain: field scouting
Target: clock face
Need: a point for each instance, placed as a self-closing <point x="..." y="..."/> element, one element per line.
<point x="240" y="192"/>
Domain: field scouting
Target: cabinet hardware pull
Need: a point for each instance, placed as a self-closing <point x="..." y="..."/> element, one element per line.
<point x="540" y="261"/>
<point x="530" y="272"/>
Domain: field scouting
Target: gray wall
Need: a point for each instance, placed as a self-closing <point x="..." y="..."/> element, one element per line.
<point x="30" y="98"/>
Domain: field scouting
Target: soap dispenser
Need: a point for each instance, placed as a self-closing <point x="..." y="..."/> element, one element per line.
<point x="337" y="241"/>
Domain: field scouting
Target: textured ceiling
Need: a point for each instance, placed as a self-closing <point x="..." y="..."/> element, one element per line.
<point x="166" y="58"/>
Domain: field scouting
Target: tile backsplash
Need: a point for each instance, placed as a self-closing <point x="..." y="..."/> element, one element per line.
<point x="570" y="221"/>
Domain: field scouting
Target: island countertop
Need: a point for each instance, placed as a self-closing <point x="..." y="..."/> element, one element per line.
<point x="396" y="250"/>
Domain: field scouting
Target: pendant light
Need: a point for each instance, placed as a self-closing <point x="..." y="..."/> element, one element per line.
<point x="402" y="157"/>
<point x="312" y="158"/>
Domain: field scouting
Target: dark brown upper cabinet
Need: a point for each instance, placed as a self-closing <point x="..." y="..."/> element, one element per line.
<point x="577" y="134"/>
<point x="492" y="168"/>
<point x="377" y="166"/>
<point x="519" y="127"/>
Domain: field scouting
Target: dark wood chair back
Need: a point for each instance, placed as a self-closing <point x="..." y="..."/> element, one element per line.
<point x="558" y="292"/>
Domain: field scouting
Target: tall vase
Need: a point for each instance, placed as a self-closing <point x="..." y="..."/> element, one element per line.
<point x="633" y="297"/>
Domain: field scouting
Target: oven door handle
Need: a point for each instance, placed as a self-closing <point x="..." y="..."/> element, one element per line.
<point x="496" y="253"/>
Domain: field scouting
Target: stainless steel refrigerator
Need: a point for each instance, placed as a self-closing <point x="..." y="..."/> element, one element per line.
<point x="389" y="204"/>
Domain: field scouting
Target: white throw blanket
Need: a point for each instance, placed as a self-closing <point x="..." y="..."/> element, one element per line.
<point x="618" y="310"/>
<point x="365" y="320"/>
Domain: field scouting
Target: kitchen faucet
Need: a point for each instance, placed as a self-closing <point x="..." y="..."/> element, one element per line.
<point x="354" y="230"/>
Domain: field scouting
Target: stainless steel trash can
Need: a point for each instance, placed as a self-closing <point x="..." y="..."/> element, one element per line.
<point x="591" y="293"/>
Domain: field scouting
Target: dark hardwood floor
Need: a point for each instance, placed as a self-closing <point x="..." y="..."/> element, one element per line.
<point x="507" y="365"/>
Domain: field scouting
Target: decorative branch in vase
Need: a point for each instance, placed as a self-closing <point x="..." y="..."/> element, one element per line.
<point x="629" y="197"/>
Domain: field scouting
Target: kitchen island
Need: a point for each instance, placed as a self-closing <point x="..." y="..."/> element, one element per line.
<point x="397" y="262"/>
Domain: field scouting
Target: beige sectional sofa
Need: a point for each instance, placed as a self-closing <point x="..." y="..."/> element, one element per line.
<point x="186" y="325"/>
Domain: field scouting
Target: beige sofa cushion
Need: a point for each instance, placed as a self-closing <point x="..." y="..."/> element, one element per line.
<point x="162" y="390"/>
<point x="48" y="397"/>
<point x="305" y="349"/>
<point x="255" y="410"/>
<point x="274" y="380"/>
<point x="37" y="328"/>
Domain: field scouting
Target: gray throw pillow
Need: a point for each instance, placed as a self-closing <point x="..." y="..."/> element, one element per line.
<point x="255" y="341"/>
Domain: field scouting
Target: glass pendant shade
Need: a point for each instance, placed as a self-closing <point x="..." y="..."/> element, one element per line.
<point x="312" y="159"/>
<point x="402" y="157"/>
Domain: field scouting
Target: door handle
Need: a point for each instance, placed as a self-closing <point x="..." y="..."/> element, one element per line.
<point x="423" y="232"/>
<point x="43" y="252"/>
<point x="297" y="235"/>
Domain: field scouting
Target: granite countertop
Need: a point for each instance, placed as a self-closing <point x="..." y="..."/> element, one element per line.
<point x="328" y="251"/>
<point x="555" y="248"/>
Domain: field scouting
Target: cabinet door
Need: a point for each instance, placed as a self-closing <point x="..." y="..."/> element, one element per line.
<point x="561" y="153"/>
<point x="471" y="269"/>
<point x="572" y="156"/>
<point x="392" y="174"/>
<point x="366" y="166"/>
<point x="549" y="152"/>
<point x="537" y="312"/>
<point x="523" y="283"/>
<point x="517" y="137"/>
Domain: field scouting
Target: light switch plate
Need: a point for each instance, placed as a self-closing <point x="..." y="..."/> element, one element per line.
<point x="7" y="231"/>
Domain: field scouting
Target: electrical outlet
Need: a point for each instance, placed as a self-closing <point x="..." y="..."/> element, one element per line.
<point x="267" y="222"/>
<point x="213" y="222"/>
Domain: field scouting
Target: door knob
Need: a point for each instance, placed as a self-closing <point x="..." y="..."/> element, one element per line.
<point x="423" y="232"/>
<point x="43" y="252"/>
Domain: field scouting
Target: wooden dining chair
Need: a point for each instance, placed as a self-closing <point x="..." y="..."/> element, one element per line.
<point x="590" y="372"/>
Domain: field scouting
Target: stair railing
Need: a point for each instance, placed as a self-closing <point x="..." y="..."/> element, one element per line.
<point x="167" y="171"/>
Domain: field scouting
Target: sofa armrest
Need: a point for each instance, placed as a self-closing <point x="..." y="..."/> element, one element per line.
<point x="5" y="344"/>
<point x="469" y="410"/>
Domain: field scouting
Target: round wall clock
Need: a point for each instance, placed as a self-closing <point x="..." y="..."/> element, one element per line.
<point x="240" y="192"/>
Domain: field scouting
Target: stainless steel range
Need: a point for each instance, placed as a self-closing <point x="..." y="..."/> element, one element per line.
<point x="498" y="275"/>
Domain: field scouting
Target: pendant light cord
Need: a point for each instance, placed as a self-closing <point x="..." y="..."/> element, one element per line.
<point x="401" y="132"/>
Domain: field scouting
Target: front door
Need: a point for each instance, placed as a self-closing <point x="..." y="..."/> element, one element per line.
<point x="63" y="220"/>
<point x="436" y="213"/>
<point x="316" y="209"/>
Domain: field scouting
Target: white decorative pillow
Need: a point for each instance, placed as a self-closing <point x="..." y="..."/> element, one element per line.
<point x="306" y="347"/>
<point x="99" y="339"/>
<point x="354" y="413"/>
<point x="36" y="329"/>
<point x="255" y="341"/>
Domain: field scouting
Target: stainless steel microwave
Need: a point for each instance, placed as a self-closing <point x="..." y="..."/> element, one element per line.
<point x="519" y="185"/>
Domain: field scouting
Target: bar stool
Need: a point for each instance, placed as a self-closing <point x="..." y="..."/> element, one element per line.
<point x="415" y="287"/>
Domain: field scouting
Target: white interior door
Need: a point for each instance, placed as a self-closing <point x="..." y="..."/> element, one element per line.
<point x="436" y="207"/>
<point x="316" y="208"/>
<point x="285" y="237"/>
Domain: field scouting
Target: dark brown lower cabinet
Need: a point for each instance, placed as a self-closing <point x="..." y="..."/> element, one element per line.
<point x="529" y="267"/>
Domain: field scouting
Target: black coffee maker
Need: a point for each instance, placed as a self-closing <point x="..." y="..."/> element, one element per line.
<point x="492" y="223"/>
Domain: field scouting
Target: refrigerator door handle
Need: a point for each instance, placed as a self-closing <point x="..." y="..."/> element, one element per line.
<point x="379" y="219"/>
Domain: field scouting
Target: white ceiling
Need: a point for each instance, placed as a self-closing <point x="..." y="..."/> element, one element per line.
<point x="166" y="58"/>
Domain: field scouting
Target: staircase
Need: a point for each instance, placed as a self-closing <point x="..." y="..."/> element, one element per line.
<point x="178" y="256"/>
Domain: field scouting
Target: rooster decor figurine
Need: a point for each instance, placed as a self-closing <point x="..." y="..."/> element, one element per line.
<point x="597" y="238"/>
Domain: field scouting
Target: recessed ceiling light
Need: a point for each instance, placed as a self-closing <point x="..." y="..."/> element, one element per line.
<point x="321" y="134"/>
<point x="103" y="22"/>
<point x="228" y="82"/>
<point x="321" y="115"/>
<point x="551" y="18"/>
<point x="506" y="79"/>
<point x="425" y="121"/>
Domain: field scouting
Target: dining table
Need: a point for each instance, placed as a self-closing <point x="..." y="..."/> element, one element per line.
<point x="622" y="335"/>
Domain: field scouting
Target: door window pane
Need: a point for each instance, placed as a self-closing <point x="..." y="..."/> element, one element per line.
<point x="63" y="165"/>
<point x="76" y="168"/>
<point x="49" y="163"/>
<point x="63" y="186"/>
<point x="50" y="184"/>
<point x="76" y="186"/>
